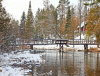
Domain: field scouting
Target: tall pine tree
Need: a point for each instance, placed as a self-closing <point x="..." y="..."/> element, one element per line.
<point x="62" y="10"/>
<point x="29" y="28"/>
<point x="4" y="20"/>
<point x="68" y="19"/>
<point x="22" y="25"/>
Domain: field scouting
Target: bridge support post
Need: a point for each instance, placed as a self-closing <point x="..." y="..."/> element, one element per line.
<point x="31" y="47"/>
<point x="86" y="47"/>
<point x="61" y="48"/>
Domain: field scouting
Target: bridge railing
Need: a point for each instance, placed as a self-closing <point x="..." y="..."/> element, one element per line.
<point x="82" y="41"/>
<point x="55" y="41"/>
<point x="61" y="41"/>
<point x="36" y="41"/>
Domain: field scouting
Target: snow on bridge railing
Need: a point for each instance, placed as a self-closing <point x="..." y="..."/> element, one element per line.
<point x="35" y="41"/>
<point x="82" y="41"/>
<point x="55" y="41"/>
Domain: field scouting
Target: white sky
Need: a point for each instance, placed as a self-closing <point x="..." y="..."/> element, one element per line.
<point x="16" y="7"/>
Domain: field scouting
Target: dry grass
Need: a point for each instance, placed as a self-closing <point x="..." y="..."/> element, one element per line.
<point x="43" y="48"/>
<point x="70" y="49"/>
<point x="0" y="70"/>
<point x="93" y="49"/>
<point x="38" y="48"/>
<point x="34" y="48"/>
<point x="29" y="74"/>
<point x="24" y="46"/>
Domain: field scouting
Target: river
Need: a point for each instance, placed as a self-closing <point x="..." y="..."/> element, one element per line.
<point x="70" y="64"/>
<point x="53" y="63"/>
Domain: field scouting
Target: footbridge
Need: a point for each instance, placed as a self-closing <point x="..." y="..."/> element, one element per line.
<point x="59" y="42"/>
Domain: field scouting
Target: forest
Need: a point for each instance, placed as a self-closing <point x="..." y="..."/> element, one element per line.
<point x="51" y="22"/>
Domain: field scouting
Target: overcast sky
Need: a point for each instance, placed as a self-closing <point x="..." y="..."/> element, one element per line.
<point x="16" y="7"/>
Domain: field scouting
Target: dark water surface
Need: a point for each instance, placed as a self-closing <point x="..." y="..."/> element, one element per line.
<point x="70" y="64"/>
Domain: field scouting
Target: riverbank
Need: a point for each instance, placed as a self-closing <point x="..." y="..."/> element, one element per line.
<point x="14" y="63"/>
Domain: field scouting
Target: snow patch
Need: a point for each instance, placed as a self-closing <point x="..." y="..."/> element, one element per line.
<point x="9" y="59"/>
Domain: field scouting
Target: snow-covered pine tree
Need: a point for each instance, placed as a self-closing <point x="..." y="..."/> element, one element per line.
<point x="29" y="28"/>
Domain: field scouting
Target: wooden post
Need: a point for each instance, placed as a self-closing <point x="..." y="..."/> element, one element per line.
<point x="98" y="45"/>
<point x="61" y="47"/>
<point x="31" y="47"/>
<point x="86" y="47"/>
<point x="62" y="51"/>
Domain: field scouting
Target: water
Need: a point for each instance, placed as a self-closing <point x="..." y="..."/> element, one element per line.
<point x="70" y="64"/>
<point x="52" y="63"/>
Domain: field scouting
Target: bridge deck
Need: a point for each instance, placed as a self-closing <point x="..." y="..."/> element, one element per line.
<point x="54" y="41"/>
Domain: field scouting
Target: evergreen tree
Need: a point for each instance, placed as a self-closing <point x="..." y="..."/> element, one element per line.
<point x="92" y="3"/>
<point x="62" y="11"/>
<point x="47" y="17"/>
<point x="62" y="8"/>
<point x="71" y="24"/>
<point x="38" y="24"/>
<point x="95" y="2"/>
<point x="55" y="22"/>
<point x="22" y="25"/>
<point x="8" y="30"/>
<point x="14" y="28"/>
<point x="68" y="19"/>
<point x="29" y="28"/>
<point x="4" y="20"/>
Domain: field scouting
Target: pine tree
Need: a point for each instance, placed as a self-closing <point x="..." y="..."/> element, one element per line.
<point x="8" y="30"/>
<point x="62" y="11"/>
<point x="47" y="17"/>
<point x="92" y="3"/>
<point x="95" y="2"/>
<point x="38" y="24"/>
<point x="55" y="22"/>
<point x="68" y="19"/>
<point x="62" y="8"/>
<point x="71" y="24"/>
<point x="29" y="28"/>
<point x="22" y="25"/>
<point x="4" y="20"/>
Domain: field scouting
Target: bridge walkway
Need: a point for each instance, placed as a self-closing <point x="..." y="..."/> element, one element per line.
<point x="59" y="42"/>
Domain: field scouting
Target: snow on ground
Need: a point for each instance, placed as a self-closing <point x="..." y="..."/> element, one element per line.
<point x="82" y="37"/>
<point x="9" y="71"/>
<point x="46" y="46"/>
<point x="7" y="60"/>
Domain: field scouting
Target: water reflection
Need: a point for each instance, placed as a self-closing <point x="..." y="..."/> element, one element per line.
<point x="51" y="63"/>
<point x="70" y="64"/>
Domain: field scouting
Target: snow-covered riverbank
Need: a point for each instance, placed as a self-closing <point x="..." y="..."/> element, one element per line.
<point x="18" y="58"/>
